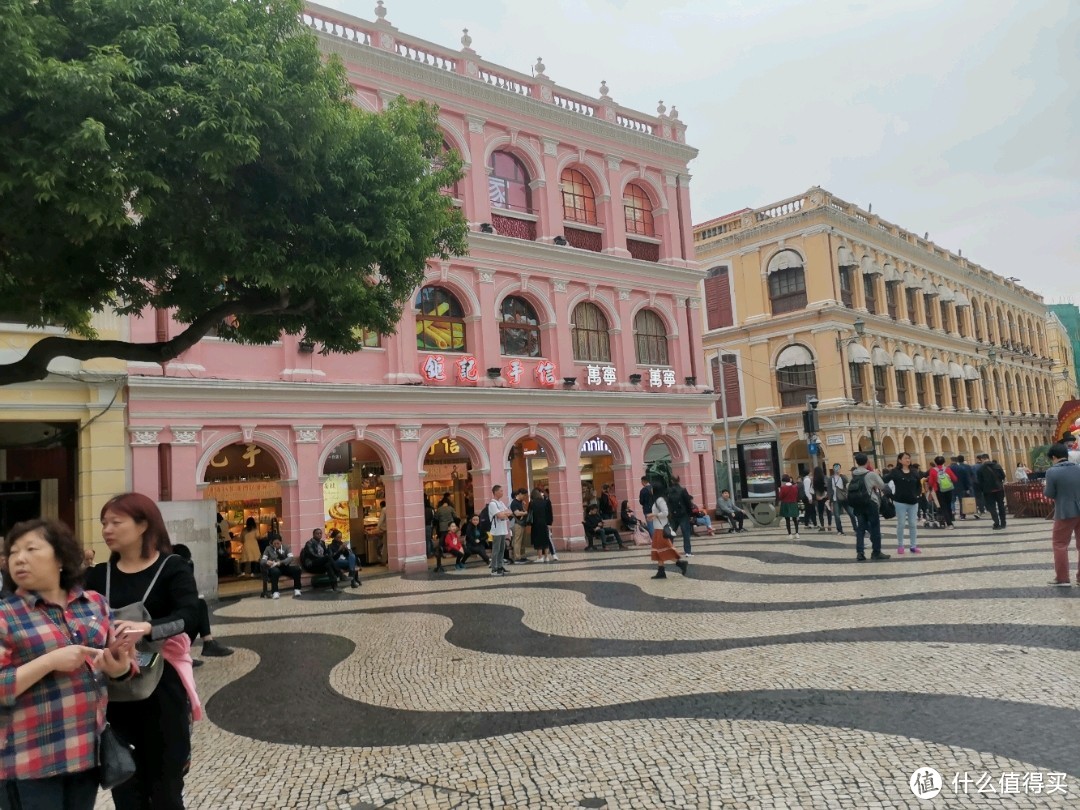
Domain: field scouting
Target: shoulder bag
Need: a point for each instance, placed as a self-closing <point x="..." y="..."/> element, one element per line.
<point x="151" y="664"/>
<point x="115" y="763"/>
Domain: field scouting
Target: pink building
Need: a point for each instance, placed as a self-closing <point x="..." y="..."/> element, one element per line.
<point x="563" y="352"/>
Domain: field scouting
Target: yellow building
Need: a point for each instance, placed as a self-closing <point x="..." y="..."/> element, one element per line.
<point x="1060" y="347"/>
<point x="813" y="296"/>
<point x="63" y="440"/>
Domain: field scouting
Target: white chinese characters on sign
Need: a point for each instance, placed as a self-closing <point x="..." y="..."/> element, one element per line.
<point x="513" y="372"/>
<point x="545" y="373"/>
<point x="661" y="377"/>
<point x="609" y="375"/>
<point x="433" y="368"/>
<point x="467" y="370"/>
<point x="655" y="380"/>
<point x="600" y="375"/>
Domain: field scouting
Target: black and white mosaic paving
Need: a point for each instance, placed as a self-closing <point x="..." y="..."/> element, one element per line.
<point x="774" y="675"/>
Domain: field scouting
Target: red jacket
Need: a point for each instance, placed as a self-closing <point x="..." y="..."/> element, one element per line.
<point x="452" y="542"/>
<point x="789" y="493"/>
<point x="932" y="478"/>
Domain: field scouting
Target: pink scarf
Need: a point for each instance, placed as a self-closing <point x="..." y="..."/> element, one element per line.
<point x="177" y="651"/>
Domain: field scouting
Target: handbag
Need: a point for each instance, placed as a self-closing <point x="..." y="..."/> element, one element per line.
<point x="151" y="663"/>
<point x="115" y="763"/>
<point x="888" y="508"/>
<point x="668" y="533"/>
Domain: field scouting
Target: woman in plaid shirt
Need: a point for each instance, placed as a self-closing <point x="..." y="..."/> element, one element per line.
<point x="54" y="657"/>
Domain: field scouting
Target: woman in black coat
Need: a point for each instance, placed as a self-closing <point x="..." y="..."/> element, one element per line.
<point x="540" y="518"/>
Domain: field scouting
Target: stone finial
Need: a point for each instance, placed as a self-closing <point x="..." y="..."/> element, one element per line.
<point x="539" y="67"/>
<point x="660" y="108"/>
<point x="604" y="89"/>
<point x="674" y="116"/>
<point x="466" y="40"/>
<point x="380" y="11"/>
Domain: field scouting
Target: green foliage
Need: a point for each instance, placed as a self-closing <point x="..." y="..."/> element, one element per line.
<point x="1040" y="461"/>
<point x="660" y="470"/>
<point x="202" y="156"/>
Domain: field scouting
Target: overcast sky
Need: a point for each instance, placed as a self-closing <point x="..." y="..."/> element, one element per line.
<point x="957" y="118"/>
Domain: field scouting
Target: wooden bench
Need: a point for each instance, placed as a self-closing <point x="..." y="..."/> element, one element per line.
<point x="1026" y="499"/>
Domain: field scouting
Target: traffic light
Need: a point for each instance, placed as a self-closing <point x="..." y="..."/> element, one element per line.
<point x="810" y="422"/>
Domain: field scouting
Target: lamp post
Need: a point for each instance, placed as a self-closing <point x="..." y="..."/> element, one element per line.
<point x="860" y="329"/>
<point x="724" y="415"/>
<point x="992" y="358"/>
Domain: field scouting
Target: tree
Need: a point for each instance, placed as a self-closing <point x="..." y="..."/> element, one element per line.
<point x="203" y="157"/>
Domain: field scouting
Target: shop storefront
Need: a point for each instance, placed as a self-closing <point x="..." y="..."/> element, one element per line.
<point x="354" y="497"/>
<point x="244" y="481"/>
<point x="448" y="470"/>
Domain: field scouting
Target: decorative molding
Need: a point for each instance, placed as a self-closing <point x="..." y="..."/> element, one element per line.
<point x="635" y="429"/>
<point x="495" y="430"/>
<point x="486" y="276"/>
<point x="184" y="435"/>
<point x="144" y="435"/>
<point x="559" y="285"/>
<point x="409" y="433"/>
<point x="695" y="303"/>
<point x="306" y="434"/>
<point x="624" y="294"/>
<point x="248" y="432"/>
<point x="476" y="124"/>
<point x="551" y="146"/>
<point x="691" y="430"/>
<point x="613" y="162"/>
<point x="570" y="430"/>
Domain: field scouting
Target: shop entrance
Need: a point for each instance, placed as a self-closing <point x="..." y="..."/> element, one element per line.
<point x="354" y="500"/>
<point x="38" y="471"/>
<point x="245" y="481"/>
<point x="448" y="472"/>
<point x="596" y="468"/>
<point x="528" y="465"/>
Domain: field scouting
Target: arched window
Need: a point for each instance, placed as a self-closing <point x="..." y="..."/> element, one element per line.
<point x="638" y="209"/>
<point x="650" y="338"/>
<point x="578" y="200"/>
<point x="590" y="334"/>
<point x="440" y="322"/>
<point x="508" y="183"/>
<point x="787" y="282"/>
<point x="519" y="328"/>
<point x="795" y="376"/>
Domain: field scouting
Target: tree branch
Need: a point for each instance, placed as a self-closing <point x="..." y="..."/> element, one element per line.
<point x="35" y="365"/>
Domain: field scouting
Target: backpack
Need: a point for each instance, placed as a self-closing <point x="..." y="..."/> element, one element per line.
<point x="858" y="495"/>
<point x="485" y="522"/>
<point x="944" y="482"/>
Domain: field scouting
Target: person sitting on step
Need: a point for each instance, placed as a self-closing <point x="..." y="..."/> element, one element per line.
<point x="277" y="561"/>
<point x="596" y="531"/>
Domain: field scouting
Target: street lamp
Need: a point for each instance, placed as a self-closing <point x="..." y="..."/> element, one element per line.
<point x="724" y="415"/>
<point x="992" y="358"/>
<point x="860" y="329"/>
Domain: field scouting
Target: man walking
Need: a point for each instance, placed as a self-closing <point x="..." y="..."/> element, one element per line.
<point x="863" y="498"/>
<point x="990" y="481"/>
<point x="680" y="505"/>
<point x="645" y="501"/>
<point x="1063" y="486"/>
<point x="499" y="514"/>
<point x="963" y="484"/>
<point x="517" y="530"/>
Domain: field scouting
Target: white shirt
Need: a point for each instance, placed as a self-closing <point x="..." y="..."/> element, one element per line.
<point x="498" y="525"/>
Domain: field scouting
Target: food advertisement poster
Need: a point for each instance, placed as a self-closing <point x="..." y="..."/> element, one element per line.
<point x="760" y="466"/>
<point x="336" y="505"/>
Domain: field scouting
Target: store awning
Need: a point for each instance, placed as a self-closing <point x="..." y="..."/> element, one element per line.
<point x="870" y="267"/>
<point x="910" y="281"/>
<point x="921" y="366"/>
<point x="971" y="373"/>
<point x="891" y="273"/>
<point x="938" y="368"/>
<point x="962" y="300"/>
<point x="857" y="354"/>
<point x="845" y="258"/>
<point x="794" y="356"/>
<point x="901" y="362"/>
<point x="946" y="294"/>
<point x="880" y="357"/>
<point x="928" y="287"/>
<point x="956" y="371"/>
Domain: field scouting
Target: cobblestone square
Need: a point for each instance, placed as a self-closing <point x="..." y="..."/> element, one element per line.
<point x="774" y="675"/>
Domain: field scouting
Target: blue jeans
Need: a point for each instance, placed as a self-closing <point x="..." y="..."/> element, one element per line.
<point x="868" y="518"/>
<point x="687" y="532"/>
<point x="839" y="507"/>
<point x="76" y="791"/>
<point x="347" y="563"/>
<point x="909" y="513"/>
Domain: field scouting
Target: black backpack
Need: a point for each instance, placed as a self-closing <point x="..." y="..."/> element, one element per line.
<point x="858" y="495"/>
<point x="485" y="522"/>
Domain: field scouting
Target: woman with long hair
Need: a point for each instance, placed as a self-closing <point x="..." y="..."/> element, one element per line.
<point x="540" y="519"/>
<point x="57" y="649"/>
<point x="142" y="568"/>
<point x="905" y="484"/>
<point x="821" y="496"/>
<point x="663" y="550"/>
<point x="788" y="495"/>
<point x="250" y="553"/>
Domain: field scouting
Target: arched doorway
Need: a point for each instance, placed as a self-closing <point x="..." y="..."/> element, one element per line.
<point x="530" y="461"/>
<point x="596" y="467"/>
<point x="245" y="482"/>
<point x="354" y="499"/>
<point x="888" y="451"/>
<point x="448" y="473"/>
<point x="946" y="448"/>
<point x="797" y="458"/>
<point x="929" y="451"/>
<point x="910" y="449"/>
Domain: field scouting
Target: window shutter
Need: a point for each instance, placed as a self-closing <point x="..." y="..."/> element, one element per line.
<point x="731" y="386"/>
<point x="718" y="298"/>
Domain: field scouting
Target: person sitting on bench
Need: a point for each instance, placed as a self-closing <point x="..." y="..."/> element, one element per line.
<point x="726" y="509"/>
<point x="474" y="543"/>
<point x="316" y="559"/>
<point x="596" y="531"/>
<point x="277" y="560"/>
<point x="343" y="557"/>
<point x="452" y="546"/>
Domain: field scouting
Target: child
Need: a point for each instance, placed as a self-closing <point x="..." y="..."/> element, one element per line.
<point x="789" y="504"/>
<point x="452" y="546"/>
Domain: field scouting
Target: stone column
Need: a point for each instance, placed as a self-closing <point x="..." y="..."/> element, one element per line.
<point x="566" y="493"/>
<point x="406" y="545"/>
<point x="144" y="460"/>
<point x="310" y="512"/>
<point x="185" y="458"/>
<point x="616" y="216"/>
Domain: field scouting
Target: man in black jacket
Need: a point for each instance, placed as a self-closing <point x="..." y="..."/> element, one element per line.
<point x="645" y="500"/>
<point x="680" y="505"/>
<point x="990" y="481"/>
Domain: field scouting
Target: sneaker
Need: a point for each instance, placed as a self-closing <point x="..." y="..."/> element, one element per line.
<point x="688" y="554"/>
<point x="916" y="550"/>
<point x="879" y="555"/>
<point x="276" y="595"/>
<point x="356" y="582"/>
<point x="522" y="560"/>
<point x="791" y="537"/>
<point x="214" y="649"/>
<point x="555" y="557"/>
<point x="1058" y="584"/>
<point x="195" y="662"/>
<point x="860" y="557"/>
<point x="900" y="550"/>
<point x="797" y="536"/>
<point x="296" y="592"/>
<point x="494" y="573"/>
